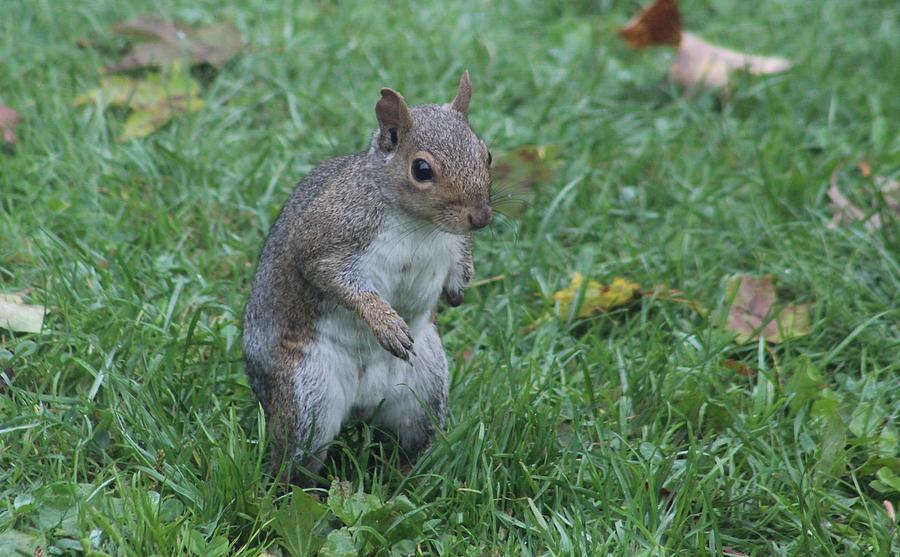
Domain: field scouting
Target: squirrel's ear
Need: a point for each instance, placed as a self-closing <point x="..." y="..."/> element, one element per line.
<point x="463" y="95"/>
<point x="392" y="111"/>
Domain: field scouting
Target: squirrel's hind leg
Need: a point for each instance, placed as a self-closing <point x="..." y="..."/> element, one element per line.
<point x="415" y="407"/>
<point x="307" y="416"/>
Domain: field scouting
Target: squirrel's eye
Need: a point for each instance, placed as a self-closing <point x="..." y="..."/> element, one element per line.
<point x="421" y="170"/>
<point x="490" y="158"/>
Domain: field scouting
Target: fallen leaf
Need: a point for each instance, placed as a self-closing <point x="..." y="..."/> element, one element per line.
<point x="658" y="24"/>
<point x="517" y="172"/>
<point x="154" y="101"/>
<point x="223" y="41"/>
<point x="846" y="212"/>
<point x="697" y="62"/>
<point x="114" y="91"/>
<point x="740" y="368"/>
<point x="864" y="168"/>
<point x="731" y="552"/>
<point x="165" y="42"/>
<point x="890" y="190"/>
<point x="597" y="297"/>
<point x="889" y="509"/>
<point x="16" y="315"/>
<point x="144" y="122"/>
<point x="661" y="292"/>
<point x="9" y="119"/>
<point x="751" y="314"/>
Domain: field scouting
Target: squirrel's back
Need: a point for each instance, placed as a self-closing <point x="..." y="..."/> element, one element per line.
<point x="335" y="207"/>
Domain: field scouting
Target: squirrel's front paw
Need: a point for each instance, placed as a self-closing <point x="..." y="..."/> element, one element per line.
<point x="393" y="334"/>
<point x="453" y="297"/>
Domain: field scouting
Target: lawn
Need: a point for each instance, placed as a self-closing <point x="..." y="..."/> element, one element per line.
<point x="127" y="426"/>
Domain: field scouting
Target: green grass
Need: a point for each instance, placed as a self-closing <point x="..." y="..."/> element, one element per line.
<point x="127" y="426"/>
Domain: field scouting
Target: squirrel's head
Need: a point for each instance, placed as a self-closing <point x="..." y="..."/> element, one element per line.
<point x="439" y="170"/>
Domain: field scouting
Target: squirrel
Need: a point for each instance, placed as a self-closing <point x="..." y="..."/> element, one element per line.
<point x="339" y="324"/>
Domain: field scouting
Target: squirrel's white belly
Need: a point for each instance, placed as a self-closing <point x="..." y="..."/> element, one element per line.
<point x="407" y="264"/>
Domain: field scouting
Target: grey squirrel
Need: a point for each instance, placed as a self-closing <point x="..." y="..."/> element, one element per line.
<point x="340" y="320"/>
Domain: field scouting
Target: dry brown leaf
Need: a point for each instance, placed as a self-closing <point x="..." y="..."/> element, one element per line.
<point x="846" y="212"/>
<point x="740" y="368"/>
<point x="751" y="312"/>
<point x="731" y="552"/>
<point x="657" y="25"/>
<point x="164" y="42"/>
<point x="9" y="119"/>
<point x="697" y="62"/>
<point x="890" y="190"/>
<point x="16" y="315"/>
<point x="864" y="168"/>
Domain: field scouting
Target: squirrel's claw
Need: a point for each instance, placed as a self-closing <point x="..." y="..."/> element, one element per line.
<point x="394" y="336"/>
<point x="398" y="348"/>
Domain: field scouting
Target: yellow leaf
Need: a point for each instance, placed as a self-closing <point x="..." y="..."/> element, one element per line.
<point x="792" y="321"/>
<point x="114" y="91"/>
<point x="142" y="123"/>
<point x="154" y="101"/>
<point x="597" y="297"/>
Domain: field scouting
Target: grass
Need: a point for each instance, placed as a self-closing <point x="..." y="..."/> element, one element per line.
<point x="127" y="426"/>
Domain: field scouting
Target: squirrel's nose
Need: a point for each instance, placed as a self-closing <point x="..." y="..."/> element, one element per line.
<point x="481" y="217"/>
